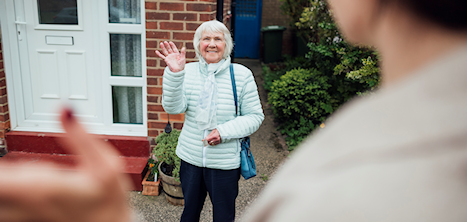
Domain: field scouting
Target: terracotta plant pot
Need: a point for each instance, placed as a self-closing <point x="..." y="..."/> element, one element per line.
<point x="172" y="189"/>
<point x="150" y="188"/>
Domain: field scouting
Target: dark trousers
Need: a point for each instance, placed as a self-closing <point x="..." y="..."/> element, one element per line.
<point x="222" y="186"/>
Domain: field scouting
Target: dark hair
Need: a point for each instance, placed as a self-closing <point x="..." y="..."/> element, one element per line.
<point x="448" y="13"/>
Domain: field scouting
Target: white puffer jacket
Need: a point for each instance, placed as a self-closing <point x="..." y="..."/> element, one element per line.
<point x="180" y="94"/>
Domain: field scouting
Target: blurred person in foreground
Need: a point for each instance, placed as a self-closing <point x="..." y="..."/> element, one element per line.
<point x="203" y="91"/>
<point x="94" y="191"/>
<point x="397" y="155"/>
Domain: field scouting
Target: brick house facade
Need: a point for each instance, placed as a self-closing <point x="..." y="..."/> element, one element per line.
<point x="165" y="21"/>
<point x="171" y="21"/>
<point x="4" y="114"/>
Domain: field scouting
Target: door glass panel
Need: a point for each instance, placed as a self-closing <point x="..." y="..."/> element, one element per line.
<point x="58" y="12"/>
<point x="125" y="11"/>
<point x="125" y="55"/>
<point x="127" y="104"/>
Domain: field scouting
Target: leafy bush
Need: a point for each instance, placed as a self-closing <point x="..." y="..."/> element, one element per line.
<point x="166" y="143"/>
<point x="300" y="100"/>
<point x="304" y="91"/>
<point x="274" y="71"/>
<point x="366" y="72"/>
<point x="315" y="23"/>
<point x="357" y="64"/>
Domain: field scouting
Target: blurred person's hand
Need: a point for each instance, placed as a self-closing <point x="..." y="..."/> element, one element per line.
<point x="94" y="191"/>
<point x="174" y="59"/>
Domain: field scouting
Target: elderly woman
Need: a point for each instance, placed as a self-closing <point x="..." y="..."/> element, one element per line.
<point x="208" y="144"/>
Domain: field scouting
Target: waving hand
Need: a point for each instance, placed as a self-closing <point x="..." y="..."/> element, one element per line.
<point x="172" y="57"/>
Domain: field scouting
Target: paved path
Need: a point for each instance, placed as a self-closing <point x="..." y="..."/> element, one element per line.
<point x="267" y="147"/>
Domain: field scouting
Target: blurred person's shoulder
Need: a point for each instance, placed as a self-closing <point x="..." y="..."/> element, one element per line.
<point x="395" y="153"/>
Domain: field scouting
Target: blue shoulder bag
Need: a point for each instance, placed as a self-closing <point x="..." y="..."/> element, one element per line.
<point x="247" y="165"/>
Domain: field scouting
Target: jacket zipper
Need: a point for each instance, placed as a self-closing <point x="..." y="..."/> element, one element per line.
<point x="204" y="149"/>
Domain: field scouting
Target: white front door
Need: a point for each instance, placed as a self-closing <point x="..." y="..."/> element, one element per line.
<point x="75" y="53"/>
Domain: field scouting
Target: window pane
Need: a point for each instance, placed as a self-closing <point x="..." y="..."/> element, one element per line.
<point x="125" y="11"/>
<point x="59" y="12"/>
<point x="127" y="104"/>
<point x="125" y="55"/>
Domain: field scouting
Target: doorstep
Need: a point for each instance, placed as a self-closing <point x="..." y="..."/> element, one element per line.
<point x="31" y="147"/>
<point x="134" y="167"/>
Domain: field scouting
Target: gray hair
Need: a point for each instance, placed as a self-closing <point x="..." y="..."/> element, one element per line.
<point x="213" y="26"/>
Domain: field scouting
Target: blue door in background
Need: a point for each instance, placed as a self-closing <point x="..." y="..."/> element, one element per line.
<point x="247" y="28"/>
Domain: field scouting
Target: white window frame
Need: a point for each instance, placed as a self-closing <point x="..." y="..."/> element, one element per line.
<point x="106" y="28"/>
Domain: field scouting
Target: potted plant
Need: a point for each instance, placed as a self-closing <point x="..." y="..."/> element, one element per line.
<point x="151" y="181"/>
<point x="169" y="166"/>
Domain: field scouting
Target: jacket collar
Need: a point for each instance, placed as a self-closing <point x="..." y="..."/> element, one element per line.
<point x="203" y="66"/>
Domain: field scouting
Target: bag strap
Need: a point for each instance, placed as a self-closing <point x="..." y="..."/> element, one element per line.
<point x="234" y="87"/>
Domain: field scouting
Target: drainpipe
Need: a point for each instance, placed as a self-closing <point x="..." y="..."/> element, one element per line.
<point x="220" y="11"/>
<point x="233" y="11"/>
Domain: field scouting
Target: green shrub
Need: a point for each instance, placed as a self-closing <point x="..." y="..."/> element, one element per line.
<point x="303" y="91"/>
<point x="296" y="131"/>
<point x="341" y="58"/>
<point x="166" y="144"/>
<point x="300" y="100"/>
<point x="270" y="75"/>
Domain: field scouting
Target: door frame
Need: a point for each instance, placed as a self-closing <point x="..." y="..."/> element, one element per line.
<point x="11" y="59"/>
<point x="12" y="64"/>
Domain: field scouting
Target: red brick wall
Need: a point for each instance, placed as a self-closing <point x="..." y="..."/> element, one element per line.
<point x="169" y="20"/>
<point x="4" y="114"/>
<point x="272" y="15"/>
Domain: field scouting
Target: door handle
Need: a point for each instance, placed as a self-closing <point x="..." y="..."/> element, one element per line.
<point x="18" y="28"/>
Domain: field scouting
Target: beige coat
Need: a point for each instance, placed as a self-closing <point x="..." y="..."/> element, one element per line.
<point x="399" y="155"/>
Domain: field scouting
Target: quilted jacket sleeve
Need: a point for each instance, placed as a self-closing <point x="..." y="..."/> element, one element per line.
<point x="173" y="93"/>
<point x="251" y="112"/>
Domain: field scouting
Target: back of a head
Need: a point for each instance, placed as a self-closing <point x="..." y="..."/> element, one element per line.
<point x="451" y="14"/>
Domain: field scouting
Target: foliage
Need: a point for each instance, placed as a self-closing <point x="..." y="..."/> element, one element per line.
<point x="304" y="91"/>
<point x="367" y="73"/>
<point x="166" y="143"/>
<point x="264" y="177"/>
<point x="358" y="64"/>
<point x="153" y="169"/>
<point x="276" y="70"/>
<point x="300" y="100"/>
<point x="315" y="23"/>
<point x="293" y="9"/>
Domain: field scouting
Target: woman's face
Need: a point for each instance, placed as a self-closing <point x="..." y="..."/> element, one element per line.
<point x="212" y="46"/>
<point x="356" y="18"/>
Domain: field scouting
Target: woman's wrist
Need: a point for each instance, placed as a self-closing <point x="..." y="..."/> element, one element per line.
<point x="176" y="70"/>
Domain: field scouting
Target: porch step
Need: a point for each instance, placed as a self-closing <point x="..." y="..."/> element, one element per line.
<point x="133" y="166"/>
<point x="39" y="142"/>
<point x="33" y="147"/>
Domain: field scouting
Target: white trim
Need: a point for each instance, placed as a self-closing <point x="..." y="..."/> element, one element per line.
<point x="108" y="81"/>
<point x="126" y="81"/>
<point x="115" y="28"/>
<point x="78" y="27"/>
<point x="11" y="65"/>
<point x="13" y="69"/>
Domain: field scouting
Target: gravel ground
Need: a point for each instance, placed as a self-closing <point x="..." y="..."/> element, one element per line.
<point x="268" y="148"/>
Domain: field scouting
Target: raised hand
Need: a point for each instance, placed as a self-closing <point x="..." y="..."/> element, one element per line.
<point x="174" y="59"/>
